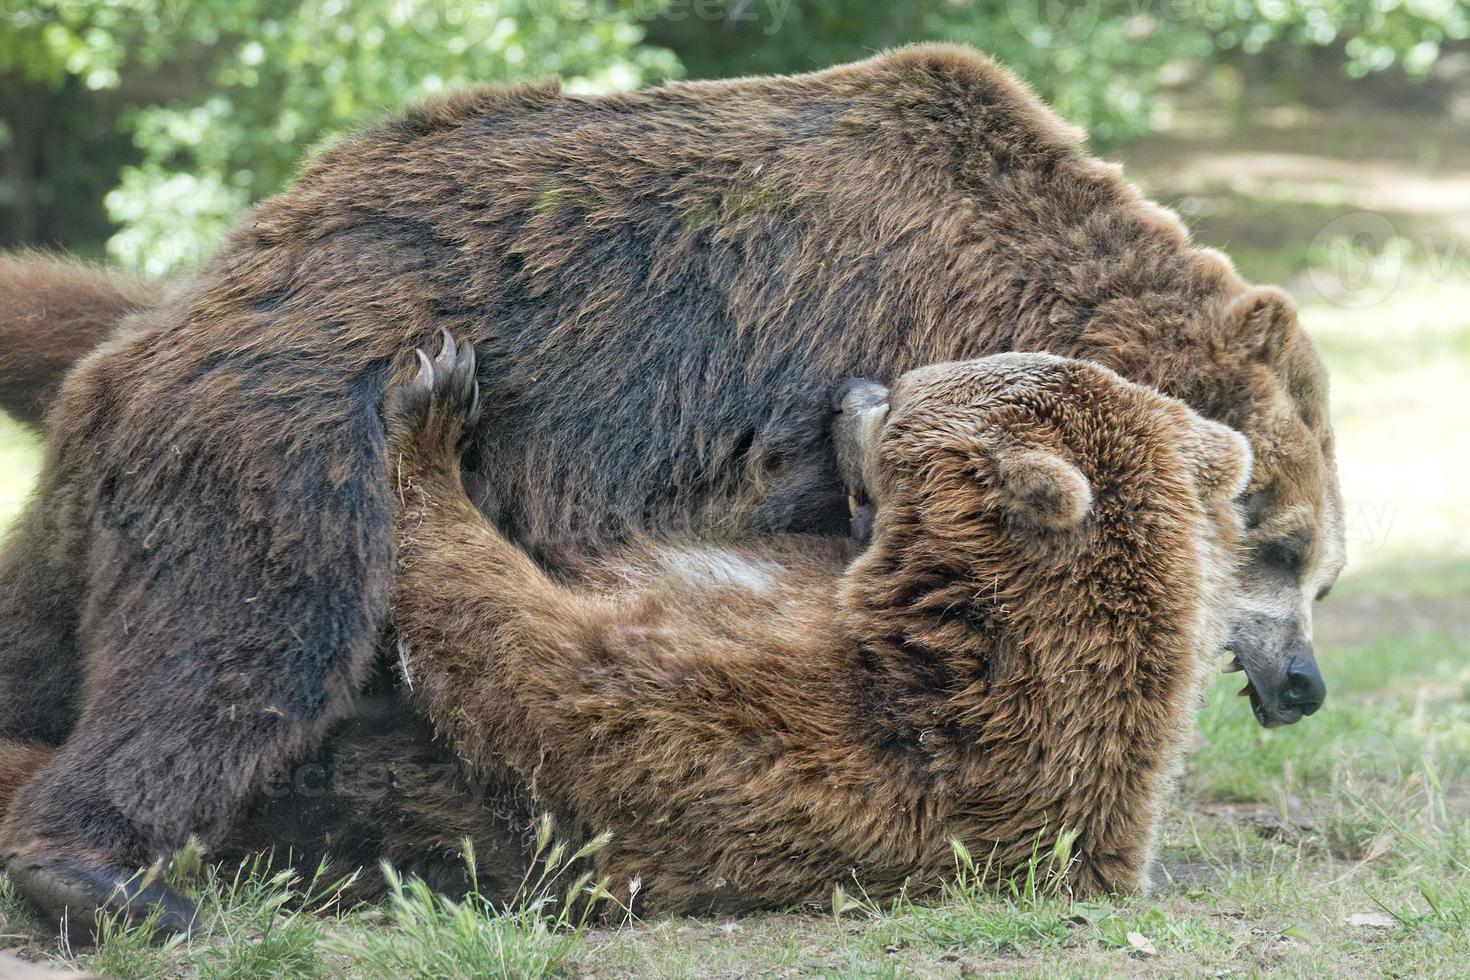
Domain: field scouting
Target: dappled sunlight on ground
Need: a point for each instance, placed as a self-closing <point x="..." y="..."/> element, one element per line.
<point x="1365" y="218"/>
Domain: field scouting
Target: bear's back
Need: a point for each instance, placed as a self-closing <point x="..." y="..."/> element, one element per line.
<point x="674" y="278"/>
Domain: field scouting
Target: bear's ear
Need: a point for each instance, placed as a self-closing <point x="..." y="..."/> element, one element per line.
<point x="1222" y="461"/>
<point x="1041" y="488"/>
<point x="1258" y="321"/>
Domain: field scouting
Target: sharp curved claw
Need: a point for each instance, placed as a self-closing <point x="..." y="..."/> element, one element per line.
<point x="426" y="368"/>
<point x="474" y="413"/>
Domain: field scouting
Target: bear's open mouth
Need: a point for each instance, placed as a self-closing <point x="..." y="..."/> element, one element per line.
<point x="859" y="513"/>
<point x="1256" y="708"/>
<point x="1249" y="690"/>
<point x="1273" y="717"/>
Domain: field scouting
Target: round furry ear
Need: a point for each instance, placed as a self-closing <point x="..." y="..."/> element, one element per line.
<point x="1222" y="461"/>
<point x="1042" y="488"/>
<point x="1258" y="321"/>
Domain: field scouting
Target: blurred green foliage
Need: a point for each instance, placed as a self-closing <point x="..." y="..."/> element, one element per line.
<point x="1101" y="63"/>
<point x="176" y="114"/>
<point x="255" y="83"/>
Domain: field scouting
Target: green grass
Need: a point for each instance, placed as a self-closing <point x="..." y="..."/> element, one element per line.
<point x="976" y="910"/>
<point x="429" y="936"/>
<point x="257" y="922"/>
<point x="1394" y="701"/>
<point x="541" y="933"/>
<point x="14" y="917"/>
<point x="262" y="921"/>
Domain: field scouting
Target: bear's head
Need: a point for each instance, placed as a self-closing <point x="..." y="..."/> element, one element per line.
<point x="1050" y="506"/>
<point x="1245" y="361"/>
<point x="1293" y="545"/>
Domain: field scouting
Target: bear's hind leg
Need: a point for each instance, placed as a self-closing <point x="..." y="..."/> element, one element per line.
<point x="239" y="559"/>
<point x="40" y="597"/>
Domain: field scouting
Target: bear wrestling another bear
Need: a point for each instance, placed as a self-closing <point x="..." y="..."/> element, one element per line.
<point x="1017" y="654"/>
<point x="660" y="287"/>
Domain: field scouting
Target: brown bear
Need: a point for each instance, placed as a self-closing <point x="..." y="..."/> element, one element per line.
<point x="659" y="286"/>
<point x="1017" y="654"/>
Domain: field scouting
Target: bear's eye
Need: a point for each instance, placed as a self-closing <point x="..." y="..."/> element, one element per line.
<point x="1288" y="554"/>
<point x="1253" y="508"/>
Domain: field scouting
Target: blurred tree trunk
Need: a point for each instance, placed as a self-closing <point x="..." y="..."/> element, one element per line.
<point x="63" y="154"/>
<point x="24" y="116"/>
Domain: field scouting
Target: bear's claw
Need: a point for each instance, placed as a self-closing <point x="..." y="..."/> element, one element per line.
<point x="442" y="401"/>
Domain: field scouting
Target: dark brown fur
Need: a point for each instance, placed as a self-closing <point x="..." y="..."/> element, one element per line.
<point x="19" y="761"/>
<point x="1018" y="653"/>
<point x="661" y="286"/>
<point x="380" y="789"/>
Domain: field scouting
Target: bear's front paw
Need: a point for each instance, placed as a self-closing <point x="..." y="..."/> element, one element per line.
<point x="428" y="416"/>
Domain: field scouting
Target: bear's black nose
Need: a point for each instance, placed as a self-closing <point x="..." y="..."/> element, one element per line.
<point x="1302" y="685"/>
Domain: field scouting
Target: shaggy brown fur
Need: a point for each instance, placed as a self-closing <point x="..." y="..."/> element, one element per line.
<point x="661" y="286"/>
<point x="1018" y="652"/>
<point x="53" y="311"/>
<point x="19" y="761"/>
